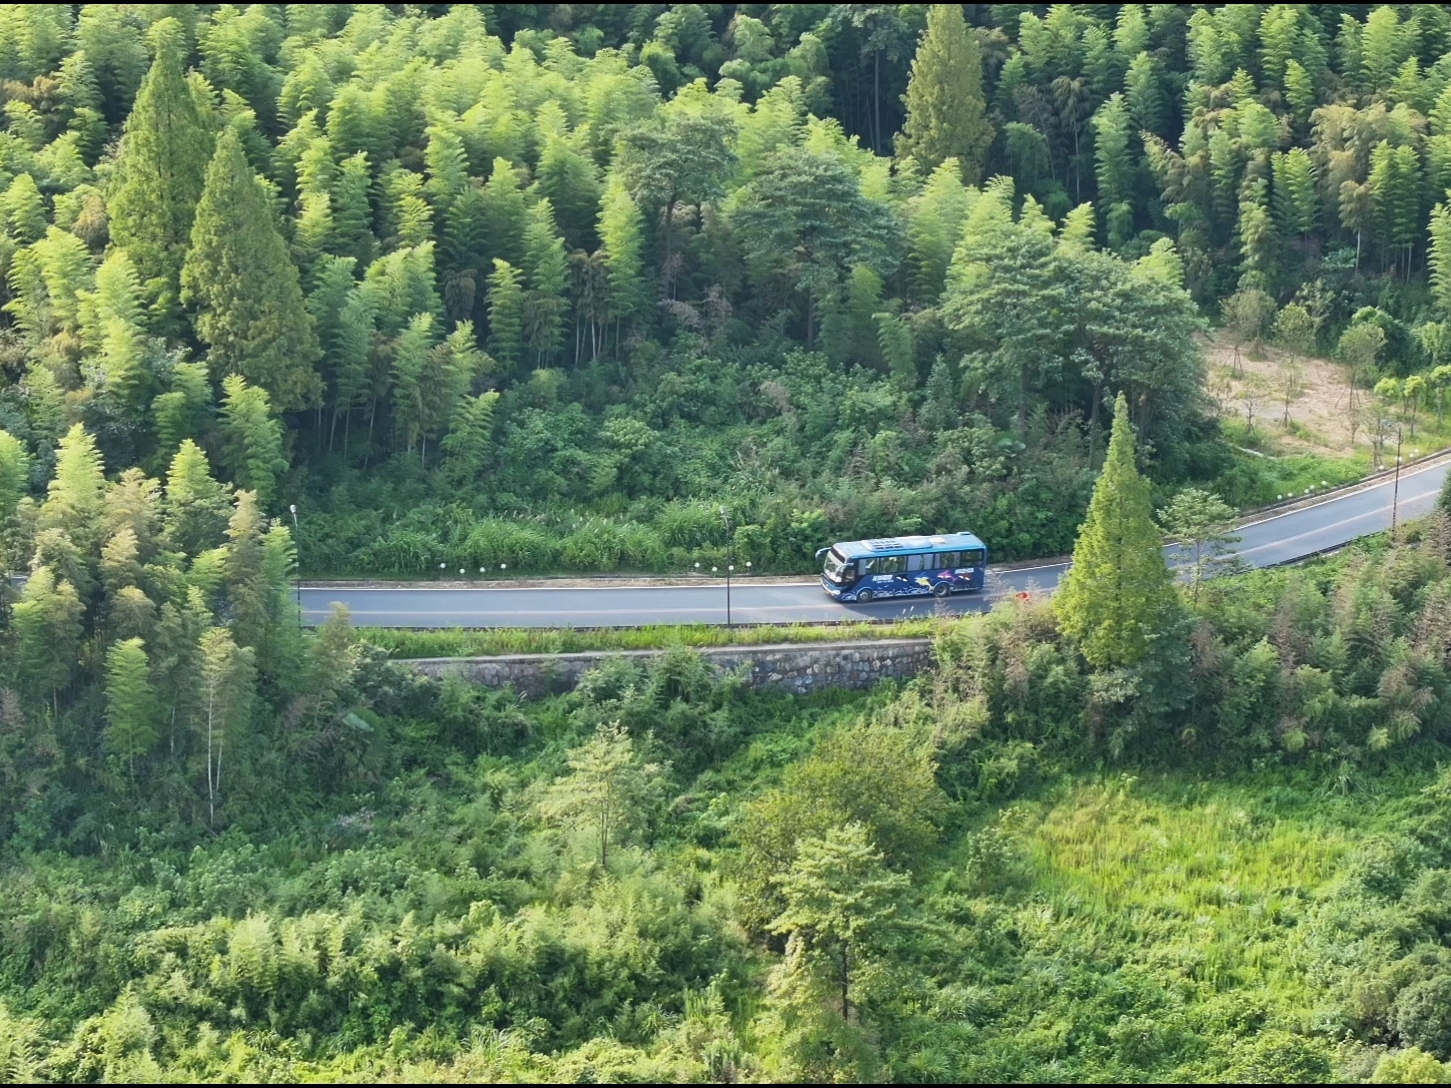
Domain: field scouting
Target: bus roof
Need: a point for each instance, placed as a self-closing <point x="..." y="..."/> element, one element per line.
<point x="901" y="545"/>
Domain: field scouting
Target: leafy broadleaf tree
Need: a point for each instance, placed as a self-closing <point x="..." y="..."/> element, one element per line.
<point x="1203" y="522"/>
<point x="606" y="790"/>
<point x="682" y="159"/>
<point x="1118" y="595"/>
<point x="246" y="290"/>
<point x="805" y="223"/>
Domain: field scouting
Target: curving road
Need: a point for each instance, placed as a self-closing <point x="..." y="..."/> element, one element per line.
<point x="1281" y="538"/>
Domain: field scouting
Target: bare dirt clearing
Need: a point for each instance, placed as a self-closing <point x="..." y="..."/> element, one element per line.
<point x="1319" y="414"/>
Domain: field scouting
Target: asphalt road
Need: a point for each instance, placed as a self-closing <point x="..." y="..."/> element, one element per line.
<point x="1279" y="539"/>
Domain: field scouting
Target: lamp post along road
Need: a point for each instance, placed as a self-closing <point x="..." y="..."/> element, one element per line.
<point x="730" y="564"/>
<point x="297" y="570"/>
<point x="1386" y="424"/>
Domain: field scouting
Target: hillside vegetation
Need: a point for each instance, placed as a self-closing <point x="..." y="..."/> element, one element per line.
<point x="547" y="285"/>
<point x="1004" y="871"/>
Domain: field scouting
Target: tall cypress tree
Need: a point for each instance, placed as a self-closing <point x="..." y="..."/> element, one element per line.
<point x="244" y="286"/>
<point x="1119" y="594"/>
<point x="946" y="111"/>
<point x="160" y="173"/>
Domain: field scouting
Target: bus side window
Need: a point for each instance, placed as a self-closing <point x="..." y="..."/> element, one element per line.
<point x="917" y="562"/>
<point x="893" y="564"/>
<point x="869" y="566"/>
<point x="945" y="560"/>
<point x="972" y="558"/>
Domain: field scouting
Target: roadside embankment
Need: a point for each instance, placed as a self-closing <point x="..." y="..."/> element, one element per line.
<point x="800" y="668"/>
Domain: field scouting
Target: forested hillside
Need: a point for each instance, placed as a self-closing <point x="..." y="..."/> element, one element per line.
<point x="1056" y="858"/>
<point x="547" y="285"/>
<point x="544" y="285"/>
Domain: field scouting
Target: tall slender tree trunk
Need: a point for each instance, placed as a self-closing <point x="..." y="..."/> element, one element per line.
<point x="877" y="101"/>
<point x="211" y="788"/>
<point x="665" y="271"/>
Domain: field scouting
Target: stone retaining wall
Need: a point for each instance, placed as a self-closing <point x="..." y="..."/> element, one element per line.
<point x="797" y="667"/>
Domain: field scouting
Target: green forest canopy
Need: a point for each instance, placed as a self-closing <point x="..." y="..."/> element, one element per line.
<point x="546" y="284"/>
<point x="531" y="284"/>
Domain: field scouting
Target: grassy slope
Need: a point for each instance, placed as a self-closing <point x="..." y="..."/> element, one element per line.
<point x="487" y="642"/>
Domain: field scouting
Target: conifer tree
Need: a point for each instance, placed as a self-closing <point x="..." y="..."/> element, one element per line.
<point x="251" y="438"/>
<point x="132" y="708"/>
<point x="245" y="288"/>
<point x="946" y="111"/>
<point x="1116" y="598"/>
<point x="159" y="177"/>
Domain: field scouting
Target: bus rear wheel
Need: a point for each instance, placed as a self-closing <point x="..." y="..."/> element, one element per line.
<point x="865" y="596"/>
<point x="941" y="589"/>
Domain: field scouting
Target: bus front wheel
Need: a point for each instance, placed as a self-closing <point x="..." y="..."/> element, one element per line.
<point x="865" y="596"/>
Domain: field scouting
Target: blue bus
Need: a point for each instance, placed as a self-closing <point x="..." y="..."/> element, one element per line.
<point x="908" y="566"/>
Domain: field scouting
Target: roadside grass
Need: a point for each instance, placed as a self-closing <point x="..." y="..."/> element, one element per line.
<point x="1267" y="478"/>
<point x="405" y="644"/>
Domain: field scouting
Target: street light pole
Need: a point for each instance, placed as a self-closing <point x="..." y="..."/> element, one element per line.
<point x="297" y="573"/>
<point x="1385" y="426"/>
<point x="1396" y="488"/>
<point x="730" y="564"/>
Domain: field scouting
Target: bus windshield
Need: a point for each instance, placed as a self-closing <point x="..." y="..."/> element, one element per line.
<point x="835" y="564"/>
